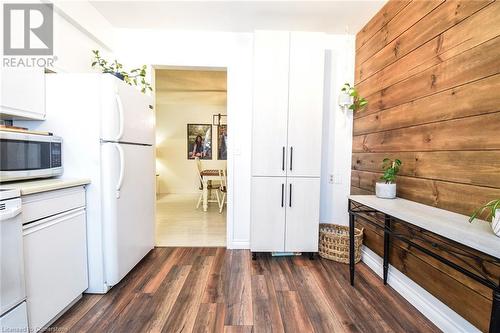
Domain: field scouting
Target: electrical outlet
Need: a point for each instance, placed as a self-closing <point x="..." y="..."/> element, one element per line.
<point x="331" y="179"/>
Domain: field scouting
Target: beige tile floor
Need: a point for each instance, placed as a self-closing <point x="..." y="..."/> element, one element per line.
<point x="179" y="223"/>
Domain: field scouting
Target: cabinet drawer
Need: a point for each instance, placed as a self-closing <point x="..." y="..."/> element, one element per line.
<point x="41" y="205"/>
<point x="55" y="258"/>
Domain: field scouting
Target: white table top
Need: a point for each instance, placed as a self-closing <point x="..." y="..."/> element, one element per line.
<point x="43" y="185"/>
<point x="477" y="235"/>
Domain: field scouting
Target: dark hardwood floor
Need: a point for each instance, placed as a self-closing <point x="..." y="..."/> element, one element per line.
<point x="219" y="290"/>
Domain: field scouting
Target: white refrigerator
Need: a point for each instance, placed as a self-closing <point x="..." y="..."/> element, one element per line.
<point x="108" y="136"/>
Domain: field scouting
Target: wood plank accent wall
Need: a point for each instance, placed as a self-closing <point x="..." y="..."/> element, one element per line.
<point x="430" y="71"/>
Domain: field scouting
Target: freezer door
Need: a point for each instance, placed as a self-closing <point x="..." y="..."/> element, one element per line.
<point x="128" y="176"/>
<point x="126" y="115"/>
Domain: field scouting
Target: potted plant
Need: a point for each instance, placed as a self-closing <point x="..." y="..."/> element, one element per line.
<point x="135" y="77"/>
<point x="493" y="209"/>
<point x="387" y="189"/>
<point x="349" y="97"/>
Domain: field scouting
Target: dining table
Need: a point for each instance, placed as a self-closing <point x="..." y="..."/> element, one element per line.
<point x="208" y="175"/>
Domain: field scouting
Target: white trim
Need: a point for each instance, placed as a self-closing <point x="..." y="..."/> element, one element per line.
<point x="239" y="245"/>
<point x="436" y="311"/>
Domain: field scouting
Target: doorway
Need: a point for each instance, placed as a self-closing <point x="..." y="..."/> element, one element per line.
<point x="191" y="156"/>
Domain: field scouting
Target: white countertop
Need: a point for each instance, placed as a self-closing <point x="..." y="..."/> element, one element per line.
<point x="477" y="235"/>
<point x="43" y="185"/>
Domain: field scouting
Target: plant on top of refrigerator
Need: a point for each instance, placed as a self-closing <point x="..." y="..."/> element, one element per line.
<point x="136" y="77"/>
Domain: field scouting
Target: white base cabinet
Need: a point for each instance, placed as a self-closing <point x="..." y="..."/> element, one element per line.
<point x="285" y="214"/>
<point x="268" y="214"/>
<point x="55" y="257"/>
<point x="302" y="215"/>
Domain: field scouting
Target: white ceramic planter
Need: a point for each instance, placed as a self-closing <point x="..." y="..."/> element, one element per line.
<point x="495" y="223"/>
<point x="385" y="191"/>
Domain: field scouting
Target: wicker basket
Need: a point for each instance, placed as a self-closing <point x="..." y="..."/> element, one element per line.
<point x="334" y="242"/>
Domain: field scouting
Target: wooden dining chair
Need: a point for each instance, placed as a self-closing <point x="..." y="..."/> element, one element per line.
<point x="222" y="189"/>
<point x="210" y="186"/>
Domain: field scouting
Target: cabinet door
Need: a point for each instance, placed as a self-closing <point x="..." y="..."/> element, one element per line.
<point x="55" y="259"/>
<point x="302" y="214"/>
<point x="23" y="93"/>
<point x="268" y="214"/>
<point x="270" y="103"/>
<point x="305" y="104"/>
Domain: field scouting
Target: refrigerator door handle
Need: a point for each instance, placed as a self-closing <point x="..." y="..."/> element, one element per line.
<point x="119" y="105"/>
<point x="122" y="169"/>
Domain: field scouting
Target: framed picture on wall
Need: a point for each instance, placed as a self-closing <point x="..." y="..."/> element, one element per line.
<point x="199" y="141"/>
<point x="222" y="142"/>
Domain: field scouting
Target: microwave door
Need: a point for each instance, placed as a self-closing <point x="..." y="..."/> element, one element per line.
<point x="24" y="157"/>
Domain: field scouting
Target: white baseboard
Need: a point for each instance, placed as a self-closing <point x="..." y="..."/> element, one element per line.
<point x="436" y="311"/>
<point x="239" y="245"/>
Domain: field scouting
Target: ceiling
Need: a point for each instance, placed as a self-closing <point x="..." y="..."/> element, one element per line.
<point x="200" y="87"/>
<point x="241" y="16"/>
<point x="190" y="80"/>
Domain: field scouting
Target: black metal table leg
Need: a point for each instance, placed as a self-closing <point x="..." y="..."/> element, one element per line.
<point x="387" y="244"/>
<point x="351" y="247"/>
<point x="495" y="312"/>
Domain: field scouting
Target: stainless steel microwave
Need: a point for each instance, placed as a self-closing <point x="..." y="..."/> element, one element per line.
<point x="25" y="155"/>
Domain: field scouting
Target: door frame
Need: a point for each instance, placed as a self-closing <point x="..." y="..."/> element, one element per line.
<point x="230" y="152"/>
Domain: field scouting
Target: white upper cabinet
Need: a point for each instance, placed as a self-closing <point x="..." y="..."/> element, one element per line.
<point x="305" y="110"/>
<point x="23" y="93"/>
<point x="288" y="103"/>
<point x="270" y="103"/>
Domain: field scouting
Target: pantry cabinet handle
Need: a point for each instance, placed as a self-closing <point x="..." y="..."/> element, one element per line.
<point x="290" y="199"/>
<point x="291" y="158"/>
<point x="282" y="195"/>
<point x="283" y="159"/>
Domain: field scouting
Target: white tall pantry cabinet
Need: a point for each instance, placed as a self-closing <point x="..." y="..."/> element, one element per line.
<point x="286" y="149"/>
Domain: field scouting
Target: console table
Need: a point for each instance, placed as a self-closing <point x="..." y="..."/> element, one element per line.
<point x="443" y="235"/>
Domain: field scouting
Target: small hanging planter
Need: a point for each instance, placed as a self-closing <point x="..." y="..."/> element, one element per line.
<point x="349" y="98"/>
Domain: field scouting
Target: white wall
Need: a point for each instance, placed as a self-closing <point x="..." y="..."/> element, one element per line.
<point x="234" y="51"/>
<point x="337" y="132"/>
<point x="177" y="174"/>
<point x="78" y="29"/>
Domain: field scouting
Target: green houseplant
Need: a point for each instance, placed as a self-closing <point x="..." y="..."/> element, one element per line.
<point x="137" y="76"/>
<point x="387" y="188"/>
<point x="350" y="97"/>
<point x="493" y="209"/>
